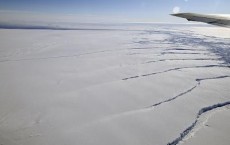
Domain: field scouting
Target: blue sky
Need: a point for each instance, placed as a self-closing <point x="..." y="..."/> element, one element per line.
<point x="135" y="10"/>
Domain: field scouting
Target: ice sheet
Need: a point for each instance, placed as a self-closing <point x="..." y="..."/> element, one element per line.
<point x="141" y="84"/>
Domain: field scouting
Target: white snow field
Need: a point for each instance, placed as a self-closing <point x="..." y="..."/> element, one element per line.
<point x="137" y="84"/>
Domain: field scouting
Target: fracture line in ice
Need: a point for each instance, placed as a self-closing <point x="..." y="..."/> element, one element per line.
<point x="172" y="69"/>
<point x="188" y="130"/>
<point x="189" y="90"/>
<point x="149" y="108"/>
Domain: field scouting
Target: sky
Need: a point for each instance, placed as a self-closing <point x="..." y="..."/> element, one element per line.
<point x="109" y="10"/>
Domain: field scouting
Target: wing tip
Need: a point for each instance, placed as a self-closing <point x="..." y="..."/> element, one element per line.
<point x="174" y="14"/>
<point x="180" y="14"/>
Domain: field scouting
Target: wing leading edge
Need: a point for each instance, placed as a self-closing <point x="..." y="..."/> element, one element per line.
<point x="210" y="19"/>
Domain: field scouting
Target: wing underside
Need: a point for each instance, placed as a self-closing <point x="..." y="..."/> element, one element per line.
<point x="209" y="19"/>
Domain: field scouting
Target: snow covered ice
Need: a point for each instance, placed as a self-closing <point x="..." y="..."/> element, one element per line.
<point x="131" y="84"/>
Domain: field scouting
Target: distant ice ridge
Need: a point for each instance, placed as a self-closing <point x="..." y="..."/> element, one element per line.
<point x="54" y="26"/>
<point x="85" y="26"/>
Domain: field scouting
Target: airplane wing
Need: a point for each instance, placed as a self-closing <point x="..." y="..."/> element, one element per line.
<point x="210" y="19"/>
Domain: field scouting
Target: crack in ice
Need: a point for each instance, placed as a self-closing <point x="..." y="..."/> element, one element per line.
<point x="172" y="69"/>
<point x="199" y="114"/>
<point x="161" y="60"/>
<point x="113" y="116"/>
<point x="189" y="90"/>
<point x="56" y="57"/>
<point x="163" y="53"/>
<point x="173" y="98"/>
